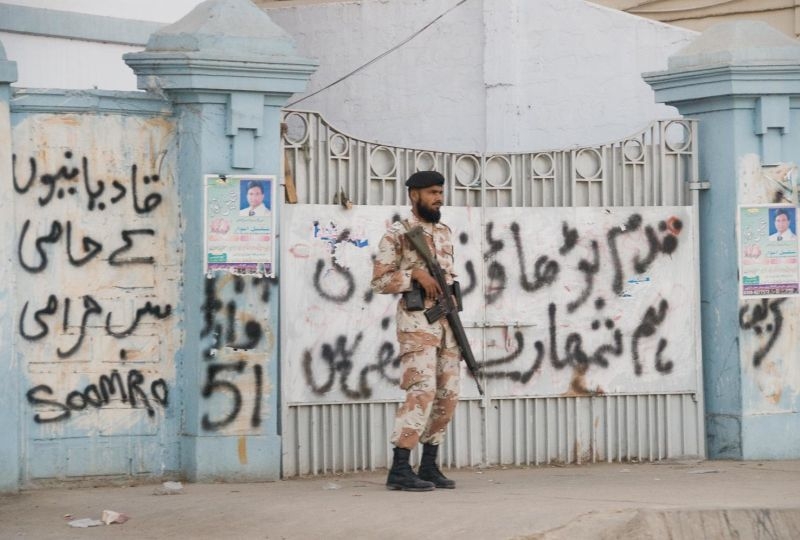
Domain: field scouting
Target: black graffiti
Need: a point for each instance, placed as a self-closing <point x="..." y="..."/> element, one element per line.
<point x="756" y="323"/>
<point x="147" y="309"/>
<point x="211" y="306"/>
<point x="90" y="308"/>
<point x="574" y="354"/>
<point x="215" y="384"/>
<point x="345" y="274"/>
<point x="339" y="364"/>
<point x="337" y="359"/>
<point x="52" y="237"/>
<point x="545" y="269"/>
<point x="570" y="238"/>
<point x="69" y="173"/>
<point x="472" y="281"/>
<point x="258" y="373"/>
<point x="226" y="335"/>
<point x="91" y="247"/>
<point x="49" y="309"/>
<point x="633" y="223"/>
<point x="339" y="298"/>
<point x="657" y="245"/>
<point x="646" y="328"/>
<point x="127" y="246"/>
<point x="151" y="201"/>
<point x="97" y="395"/>
<point x="514" y="375"/>
<point x="220" y="322"/>
<point x="495" y="271"/>
<point x="589" y="270"/>
<point x="570" y="352"/>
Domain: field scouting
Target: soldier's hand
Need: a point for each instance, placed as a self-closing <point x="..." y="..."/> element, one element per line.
<point x="429" y="285"/>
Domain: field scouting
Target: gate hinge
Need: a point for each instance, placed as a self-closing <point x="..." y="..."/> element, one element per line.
<point x="700" y="185"/>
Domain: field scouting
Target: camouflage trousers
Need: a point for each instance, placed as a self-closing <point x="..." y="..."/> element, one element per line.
<point x="430" y="379"/>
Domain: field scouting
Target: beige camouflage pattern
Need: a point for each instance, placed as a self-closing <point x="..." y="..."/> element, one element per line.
<point x="429" y="354"/>
<point x="431" y="385"/>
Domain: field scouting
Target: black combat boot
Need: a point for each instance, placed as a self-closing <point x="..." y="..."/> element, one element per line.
<point x="401" y="475"/>
<point x="428" y="470"/>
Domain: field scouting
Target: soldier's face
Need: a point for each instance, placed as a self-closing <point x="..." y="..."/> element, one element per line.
<point x="428" y="202"/>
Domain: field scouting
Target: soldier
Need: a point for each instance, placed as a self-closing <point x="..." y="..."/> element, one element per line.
<point x="429" y="354"/>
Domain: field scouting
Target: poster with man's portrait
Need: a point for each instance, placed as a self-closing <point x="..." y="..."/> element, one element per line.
<point x="768" y="251"/>
<point x="240" y="224"/>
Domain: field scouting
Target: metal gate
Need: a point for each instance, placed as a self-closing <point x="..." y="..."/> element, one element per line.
<point x="582" y="304"/>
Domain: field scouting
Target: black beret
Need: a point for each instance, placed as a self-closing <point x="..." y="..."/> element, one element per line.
<point x="423" y="179"/>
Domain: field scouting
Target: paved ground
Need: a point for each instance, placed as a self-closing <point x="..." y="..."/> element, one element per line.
<point x="676" y="500"/>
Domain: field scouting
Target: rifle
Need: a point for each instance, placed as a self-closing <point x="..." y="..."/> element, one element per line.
<point x="445" y="306"/>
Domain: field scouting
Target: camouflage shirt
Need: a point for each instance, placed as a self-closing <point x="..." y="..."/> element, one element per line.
<point x="391" y="274"/>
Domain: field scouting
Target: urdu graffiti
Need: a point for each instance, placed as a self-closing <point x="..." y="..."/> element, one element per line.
<point x="557" y="301"/>
<point x="234" y="312"/>
<point x="88" y="245"/>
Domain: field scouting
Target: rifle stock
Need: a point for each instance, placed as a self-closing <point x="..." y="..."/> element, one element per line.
<point x="445" y="305"/>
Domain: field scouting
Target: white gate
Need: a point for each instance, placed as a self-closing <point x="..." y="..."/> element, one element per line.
<point x="580" y="273"/>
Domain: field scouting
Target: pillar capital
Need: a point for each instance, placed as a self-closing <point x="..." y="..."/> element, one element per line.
<point x="741" y="80"/>
<point x="222" y="45"/>
<point x="727" y="60"/>
<point x="225" y="52"/>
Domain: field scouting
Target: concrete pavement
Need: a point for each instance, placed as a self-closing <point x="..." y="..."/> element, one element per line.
<point x="674" y="499"/>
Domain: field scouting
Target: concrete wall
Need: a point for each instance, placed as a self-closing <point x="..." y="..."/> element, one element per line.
<point x="742" y="82"/>
<point x="121" y="356"/>
<point x="98" y="267"/>
<point x="488" y="76"/>
<point x="769" y="332"/>
<point x="516" y="75"/>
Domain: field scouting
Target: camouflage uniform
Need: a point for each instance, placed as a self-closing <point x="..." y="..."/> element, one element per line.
<point x="429" y="354"/>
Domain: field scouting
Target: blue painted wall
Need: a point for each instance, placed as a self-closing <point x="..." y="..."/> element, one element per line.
<point x="227" y="93"/>
<point x="9" y="369"/>
<point x="742" y="81"/>
<point x="214" y="410"/>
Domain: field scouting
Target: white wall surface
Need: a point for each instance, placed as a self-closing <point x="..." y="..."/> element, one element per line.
<point x="511" y="75"/>
<point x="516" y="75"/>
<point x="69" y="64"/>
<point x="603" y="315"/>
<point x="99" y="294"/>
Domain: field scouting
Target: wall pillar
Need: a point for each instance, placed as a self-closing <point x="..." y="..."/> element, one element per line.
<point x="9" y="374"/>
<point x="742" y="81"/>
<point x="228" y="70"/>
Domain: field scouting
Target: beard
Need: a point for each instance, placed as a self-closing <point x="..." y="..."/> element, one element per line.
<point x="427" y="213"/>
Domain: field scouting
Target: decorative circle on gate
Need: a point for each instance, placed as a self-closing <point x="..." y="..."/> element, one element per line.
<point x="338" y="145"/>
<point x="677" y="136"/>
<point x="542" y="165"/>
<point x="382" y="161"/>
<point x="467" y="170"/>
<point x="425" y="161"/>
<point x="588" y="163"/>
<point x="497" y="171"/>
<point x="297" y="128"/>
<point x="633" y="150"/>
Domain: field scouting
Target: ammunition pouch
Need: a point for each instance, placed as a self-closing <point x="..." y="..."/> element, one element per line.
<point x="415" y="298"/>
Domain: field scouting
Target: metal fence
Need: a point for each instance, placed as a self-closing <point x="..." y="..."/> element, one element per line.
<point x="654" y="167"/>
<point x="649" y="168"/>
